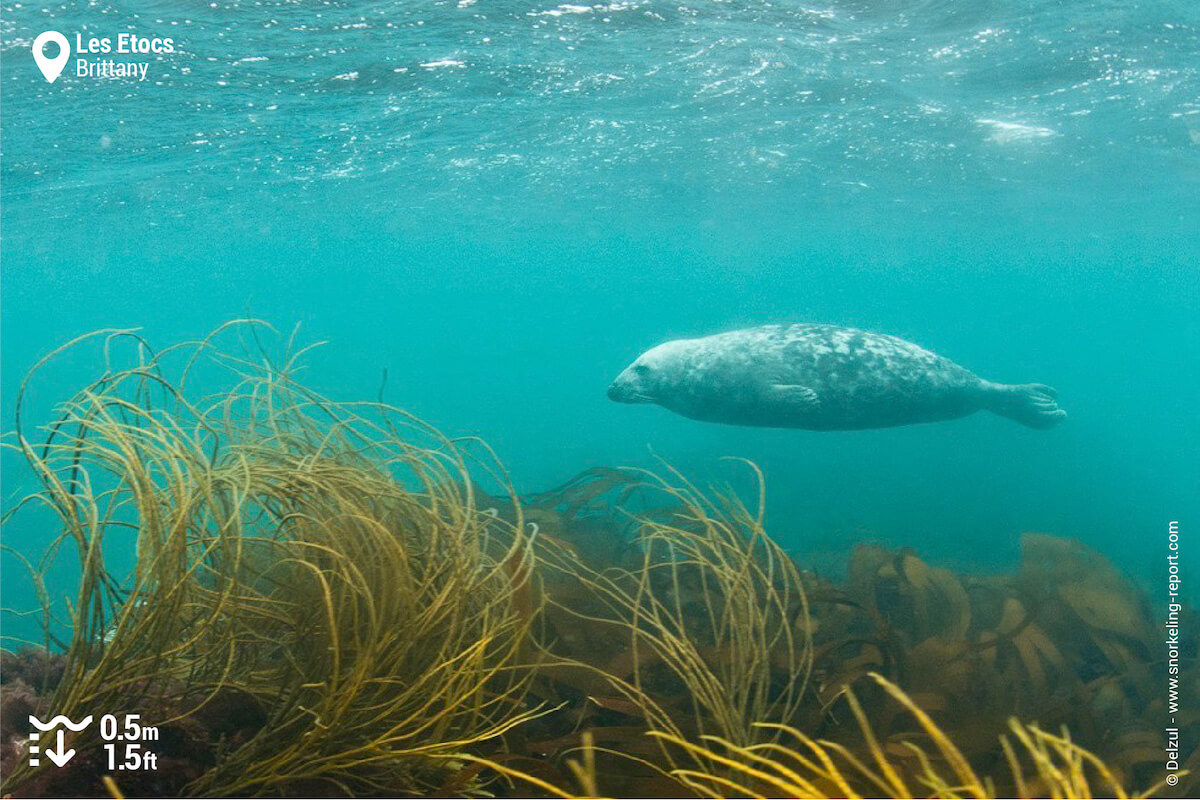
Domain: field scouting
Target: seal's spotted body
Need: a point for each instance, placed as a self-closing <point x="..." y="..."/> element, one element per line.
<point x="819" y="377"/>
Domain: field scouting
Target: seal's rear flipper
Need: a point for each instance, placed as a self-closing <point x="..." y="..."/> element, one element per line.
<point x="1030" y="404"/>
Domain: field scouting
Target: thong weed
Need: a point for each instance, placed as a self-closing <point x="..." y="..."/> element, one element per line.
<point x="299" y="557"/>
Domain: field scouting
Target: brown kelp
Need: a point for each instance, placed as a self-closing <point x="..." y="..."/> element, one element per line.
<point x="1065" y="640"/>
<point x="302" y="560"/>
<point x="1066" y="643"/>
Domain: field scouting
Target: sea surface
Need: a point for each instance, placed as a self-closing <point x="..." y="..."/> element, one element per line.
<point x="502" y="203"/>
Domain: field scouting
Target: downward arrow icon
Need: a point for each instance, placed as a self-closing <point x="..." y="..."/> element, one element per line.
<point x="60" y="757"/>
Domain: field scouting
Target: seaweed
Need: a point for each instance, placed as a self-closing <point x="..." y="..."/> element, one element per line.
<point x="1042" y="764"/>
<point x="323" y="600"/>
<point x="291" y="552"/>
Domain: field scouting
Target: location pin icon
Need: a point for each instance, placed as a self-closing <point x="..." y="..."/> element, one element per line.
<point x="51" y="67"/>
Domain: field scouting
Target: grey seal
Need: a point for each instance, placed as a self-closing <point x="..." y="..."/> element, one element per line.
<point x="820" y="377"/>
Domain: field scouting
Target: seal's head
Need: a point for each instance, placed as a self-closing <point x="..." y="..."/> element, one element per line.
<point x="648" y="379"/>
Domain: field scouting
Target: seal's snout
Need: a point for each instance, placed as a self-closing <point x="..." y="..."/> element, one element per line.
<point x="633" y="385"/>
<point x="620" y="390"/>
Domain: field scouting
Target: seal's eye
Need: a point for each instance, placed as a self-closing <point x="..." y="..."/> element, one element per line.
<point x="641" y="369"/>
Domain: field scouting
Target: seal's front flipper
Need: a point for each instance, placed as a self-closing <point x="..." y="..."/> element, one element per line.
<point x="792" y="395"/>
<point x="1030" y="404"/>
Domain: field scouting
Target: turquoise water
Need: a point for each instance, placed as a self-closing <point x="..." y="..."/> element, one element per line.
<point x="503" y="203"/>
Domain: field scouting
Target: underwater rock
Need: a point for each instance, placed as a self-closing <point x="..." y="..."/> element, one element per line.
<point x="33" y="665"/>
<point x="17" y="701"/>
